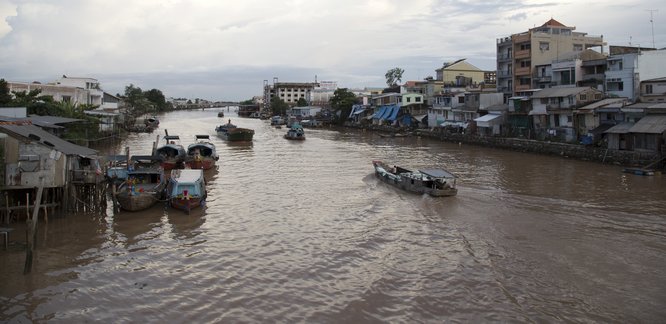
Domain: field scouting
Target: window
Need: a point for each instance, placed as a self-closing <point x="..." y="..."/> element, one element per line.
<point x="544" y="46"/>
<point x="418" y="99"/>
<point x="583" y="97"/>
<point x="620" y="86"/>
<point x="597" y="96"/>
<point x="409" y="99"/>
<point x="569" y="119"/>
<point x="648" y="89"/>
<point x="577" y="47"/>
<point x="544" y="101"/>
<point x="461" y="99"/>
<point x="66" y="98"/>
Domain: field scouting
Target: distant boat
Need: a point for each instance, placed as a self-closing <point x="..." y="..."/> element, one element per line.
<point x="295" y="132"/>
<point x="230" y="132"/>
<point x="151" y="122"/>
<point x="144" y="185"/>
<point x="172" y="153"/>
<point x="201" y="154"/>
<point x="435" y="182"/>
<point x="220" y="114"/>
<point x="277" y="120"/>
<point x="186" y="189"/>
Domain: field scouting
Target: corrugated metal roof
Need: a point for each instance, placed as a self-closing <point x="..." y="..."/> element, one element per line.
<point x="52" y="119"/>
<point x="650" y="124"/>
<point x="49" y="139"/>
<point x="621" y="128"/>
<point x="559" y="92"/>
<point x="605" y="103"/>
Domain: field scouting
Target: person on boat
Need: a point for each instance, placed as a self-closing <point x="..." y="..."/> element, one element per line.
<point x="394" y="169"/>
<point x="229" y="121"/>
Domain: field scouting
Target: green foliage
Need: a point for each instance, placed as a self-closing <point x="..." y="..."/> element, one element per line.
<point x="247" y="102"/>
<point x="278" y="106"/>
<point x="342" y="101"/>
<point x="5" y="97"/>
<point x="301" y="102"/>
<point x="156" y="97"/>
<point x="394" y="76"/>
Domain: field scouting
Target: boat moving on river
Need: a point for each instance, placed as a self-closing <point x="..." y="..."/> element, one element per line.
<point x="435" y="182"/>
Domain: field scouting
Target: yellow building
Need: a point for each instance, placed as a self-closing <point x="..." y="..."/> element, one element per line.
<point x="460" y="73"/>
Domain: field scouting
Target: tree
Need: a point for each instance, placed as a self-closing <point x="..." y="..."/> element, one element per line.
<point x="156" y="97"/>
<point x="136" y="100"/>
<point x="342" y="102"/>
<point x="301" y="102"/>
<point x="394" y="76"/>
<point x="278" y="106"/>
<point x="5" y="96"/>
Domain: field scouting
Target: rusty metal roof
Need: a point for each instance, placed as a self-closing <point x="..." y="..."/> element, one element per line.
<point x="35" y="133"/>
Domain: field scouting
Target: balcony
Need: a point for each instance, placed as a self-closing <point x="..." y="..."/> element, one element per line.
<point x="543" y="79"/>
<point x="522" y="87"/>
<point x="504" y="56"/>
<point x="504" y="74"/>
<point x="522" y="54"/>
<point x="522" y="71"/>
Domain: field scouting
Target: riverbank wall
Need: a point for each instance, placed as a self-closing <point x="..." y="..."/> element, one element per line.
<point x="566" y="150"/>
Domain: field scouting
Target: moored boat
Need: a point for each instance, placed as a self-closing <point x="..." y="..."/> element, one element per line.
<point x="151" y="122"/>
<point x="295" y="132"/>
<point x="220" y="114"/>
<point x="201" y="154"/>
<point x="144" y="185"/>
<point x="186" y="189"/>
<point x="231" y="132"/>
<point x="173" y="154"/>
<point x="435" y="182"/>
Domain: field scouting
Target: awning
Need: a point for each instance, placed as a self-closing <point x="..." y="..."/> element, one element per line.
<point x="380" y="113"/>
<point x="358" y="111"/>
<point x="420" y="117"/>
<point x="487" y="120"/>
<point x="394" y="113"/>
<point x="533" y="112"/>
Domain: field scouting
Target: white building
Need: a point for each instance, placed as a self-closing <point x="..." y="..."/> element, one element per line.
<point x="626" y="71"/>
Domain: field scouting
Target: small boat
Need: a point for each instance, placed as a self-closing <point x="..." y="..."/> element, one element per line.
<point x="230" y="132"/>
<point x="295" y="132"/>
<point x="144" y="185"/>
<point x="220" y="114"/>
<point x="186" y="189"/>
<point x="277" y="120"/>
<point x="172" y="153"/>
<point x="435" y="182"/>
<point x="201" y="154"/>
<point x="151" y="122"/>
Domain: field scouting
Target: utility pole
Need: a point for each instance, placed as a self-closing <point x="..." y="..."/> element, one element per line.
<point x="652" y="11"/>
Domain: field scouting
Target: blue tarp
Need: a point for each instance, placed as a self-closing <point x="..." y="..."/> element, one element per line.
<point x="394" y="113"/>
<point x="387" y="112"/>
<point x="378" y="114"/>
<point x="407" y="120"/>
<point x="356" y="109"/>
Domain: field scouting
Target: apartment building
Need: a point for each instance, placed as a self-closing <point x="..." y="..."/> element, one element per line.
<point x="524" y="60"/>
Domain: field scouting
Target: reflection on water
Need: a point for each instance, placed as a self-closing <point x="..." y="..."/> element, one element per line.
<point x="304" y="232"/>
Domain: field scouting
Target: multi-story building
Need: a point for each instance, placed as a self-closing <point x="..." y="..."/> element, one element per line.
<point x="289" y="92"/>
<point x="461" y="73"/>
<point x="74" y="90"/>
<point x="523" y="59"/>
<point x="626" y="71"/>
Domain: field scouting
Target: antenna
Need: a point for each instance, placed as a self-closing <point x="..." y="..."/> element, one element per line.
<point x="652" y="11"/>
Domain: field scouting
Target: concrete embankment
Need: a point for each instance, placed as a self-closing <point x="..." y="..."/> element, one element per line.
<point x="581" y="152"/>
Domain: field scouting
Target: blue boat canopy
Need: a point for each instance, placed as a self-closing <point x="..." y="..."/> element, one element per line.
<point x="394" y="113"/>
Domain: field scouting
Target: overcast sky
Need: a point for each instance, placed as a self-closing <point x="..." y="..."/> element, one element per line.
<point x="224" y="50"/>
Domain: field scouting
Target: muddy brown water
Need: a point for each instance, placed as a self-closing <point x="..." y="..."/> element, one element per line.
<point x="303" y="232"/>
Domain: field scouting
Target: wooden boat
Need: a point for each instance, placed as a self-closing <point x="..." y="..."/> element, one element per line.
<point x="230" y="132"/>
<point x="220" y="114"/>
<point x="173" y="154"/>
<point x="295" y="132"/>
<point x="201" y="154"/>
<point x="435" y="182"/>
<point x="144" y="185"/>
<point x="186" y="189"/>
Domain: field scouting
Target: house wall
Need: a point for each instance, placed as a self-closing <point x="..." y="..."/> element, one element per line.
<point x="658" y="93"/>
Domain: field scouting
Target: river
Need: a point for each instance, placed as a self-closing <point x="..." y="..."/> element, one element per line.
<point x="304" y="232"/>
